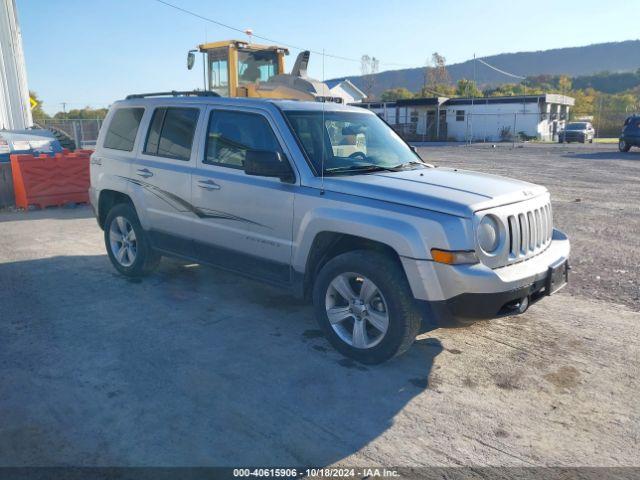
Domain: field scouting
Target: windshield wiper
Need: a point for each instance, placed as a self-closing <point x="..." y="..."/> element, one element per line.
<point x="412" y="162"/>
<point x="372" y="167"/>
<point x="360" y="169"/>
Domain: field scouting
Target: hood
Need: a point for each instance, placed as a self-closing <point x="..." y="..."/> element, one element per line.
<point x="447" y="190"/>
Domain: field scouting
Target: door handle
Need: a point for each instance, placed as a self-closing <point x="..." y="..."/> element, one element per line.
<point x="208" y="185"/>
<point x="143" y="172"/>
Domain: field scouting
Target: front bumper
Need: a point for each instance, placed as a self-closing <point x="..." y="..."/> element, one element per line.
<point x="465" y="293"/>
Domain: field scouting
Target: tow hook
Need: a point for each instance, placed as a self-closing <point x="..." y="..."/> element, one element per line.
<point x="519" y="306"/>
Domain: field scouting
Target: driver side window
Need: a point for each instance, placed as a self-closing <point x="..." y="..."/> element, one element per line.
<point x="231" y="134"/>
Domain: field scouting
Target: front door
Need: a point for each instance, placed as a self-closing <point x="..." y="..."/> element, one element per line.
<point x="244" y="222"/>
<point x="161" y="177"/>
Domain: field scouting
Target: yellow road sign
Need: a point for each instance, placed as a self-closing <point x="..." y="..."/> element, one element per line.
<point x="34" y="104"/>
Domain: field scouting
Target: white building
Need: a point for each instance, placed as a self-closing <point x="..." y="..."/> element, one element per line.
<point x="500" y="118"/>
<point x="346" y="90"/>
<point x="15" y="111"/>
<point x="490" y="119"/>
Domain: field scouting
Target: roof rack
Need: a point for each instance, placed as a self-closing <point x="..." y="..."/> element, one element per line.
<point x="175" y="93"/>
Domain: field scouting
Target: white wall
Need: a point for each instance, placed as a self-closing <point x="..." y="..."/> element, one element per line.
<point x="347" y="93"/>
<point x="385" y="111"/>
<point x="15" y="110"/>
<point x="486" y="121"/>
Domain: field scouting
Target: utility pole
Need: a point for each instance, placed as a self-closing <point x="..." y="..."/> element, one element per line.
<point x="473" y="95"/>
<point x="64" y="107"/>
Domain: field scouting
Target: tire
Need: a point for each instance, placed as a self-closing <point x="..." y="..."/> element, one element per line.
<point x="591" y="140"/>
<point x="138" y="258"/>
<point x="391" y="297"/>
<point x="623" y="145"/>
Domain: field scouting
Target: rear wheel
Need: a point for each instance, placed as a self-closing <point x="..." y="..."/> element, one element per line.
<point x="364" y="305"/>
<point x="127" y="243"/>
<point x="623" y="145"/>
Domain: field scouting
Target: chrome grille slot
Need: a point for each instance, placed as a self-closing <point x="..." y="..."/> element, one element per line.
<point x="524" y="234"/>
<point x="528" y="231"/>
<point x="536" y="213"/>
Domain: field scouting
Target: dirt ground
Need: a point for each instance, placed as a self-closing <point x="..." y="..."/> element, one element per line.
<point x="195" y="367"/>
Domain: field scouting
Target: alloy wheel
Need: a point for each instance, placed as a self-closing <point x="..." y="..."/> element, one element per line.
<point x="122" y="239"/>
<point x="357" y="310"/>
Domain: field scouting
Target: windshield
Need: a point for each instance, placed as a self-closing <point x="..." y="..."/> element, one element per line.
<point x="256" y="66"/>
<point x="577" y="126"/>
<point x="350" y="142"/>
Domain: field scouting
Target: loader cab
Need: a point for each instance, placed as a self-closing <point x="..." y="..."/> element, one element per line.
<point x="235" y="68"/>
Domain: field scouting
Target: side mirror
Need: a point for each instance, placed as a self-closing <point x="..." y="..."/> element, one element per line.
<point x="415" y="151"/>
<point x="191" y="58"/>
<point x="264" y="163"/>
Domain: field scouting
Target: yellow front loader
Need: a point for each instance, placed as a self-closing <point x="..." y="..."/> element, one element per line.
<point x="233" y="68"/>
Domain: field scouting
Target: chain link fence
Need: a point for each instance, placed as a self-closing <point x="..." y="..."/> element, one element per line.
<point x="422" y="126"/>
<point x="468" y="126"/>
<point x="84" y="132"/>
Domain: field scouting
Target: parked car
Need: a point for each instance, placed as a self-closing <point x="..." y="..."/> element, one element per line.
<point x="577" y="132"/>
<point x="32" y="141"/>
<point x="630" y="135"/>
<point x="378" y="239"/>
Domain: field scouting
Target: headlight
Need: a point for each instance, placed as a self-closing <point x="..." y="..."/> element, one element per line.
<point x="489" y="234"/>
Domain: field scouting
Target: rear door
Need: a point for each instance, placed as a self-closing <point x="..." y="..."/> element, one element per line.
<point x="161" y="176"/>
<point x="244" y="222"/>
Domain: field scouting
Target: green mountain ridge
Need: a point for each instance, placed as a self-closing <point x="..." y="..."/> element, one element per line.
<point x="587" y="61"/>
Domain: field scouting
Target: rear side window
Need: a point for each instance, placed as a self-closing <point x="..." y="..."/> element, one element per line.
<point x="171" y="132"/>
<point x="231" y="134"/>
<point x="123" y="129"/>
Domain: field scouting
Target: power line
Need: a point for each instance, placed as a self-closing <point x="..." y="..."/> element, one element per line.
<point x="267" y="39"/>
<point x="501" y="71"/>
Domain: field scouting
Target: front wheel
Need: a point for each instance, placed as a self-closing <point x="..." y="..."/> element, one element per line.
<point x="364" y="305"/>
<point x="127" y="243"/>
<point x="623" y="146"/>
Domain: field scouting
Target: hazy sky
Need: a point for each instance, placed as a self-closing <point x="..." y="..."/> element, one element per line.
<point x="92" y="52"/>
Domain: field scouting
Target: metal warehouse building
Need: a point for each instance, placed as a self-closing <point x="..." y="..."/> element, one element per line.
<point x="14" y="95"/>
<point x="491" y="119"/>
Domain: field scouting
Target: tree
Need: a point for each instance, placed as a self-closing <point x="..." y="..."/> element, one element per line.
<point x="394" y="94"/>
<point x="37" y="112"/>
<point x="83" y="113"/>
<point x="441" y="90"/>
<point x="564" y="83"/>
<point x="467" y="88"/>
<point x="437" y="74"/>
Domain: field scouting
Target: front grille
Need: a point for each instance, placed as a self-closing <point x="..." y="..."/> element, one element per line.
<point x="529" y="232"/>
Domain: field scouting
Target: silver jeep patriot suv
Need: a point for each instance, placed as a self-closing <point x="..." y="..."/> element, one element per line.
<point x="325" y="200"/>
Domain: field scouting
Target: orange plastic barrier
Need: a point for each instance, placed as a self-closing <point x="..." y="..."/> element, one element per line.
<point x="45" y="181"/>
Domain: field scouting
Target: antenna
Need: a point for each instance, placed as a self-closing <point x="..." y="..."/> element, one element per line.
<point x="324" y="146"/>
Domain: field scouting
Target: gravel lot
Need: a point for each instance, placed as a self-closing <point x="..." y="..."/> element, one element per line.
<point x="193" y="366"/>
